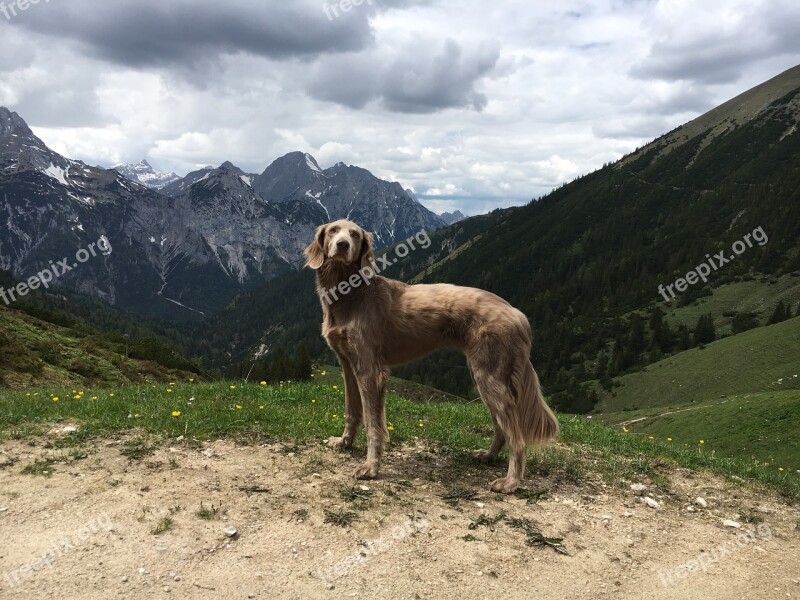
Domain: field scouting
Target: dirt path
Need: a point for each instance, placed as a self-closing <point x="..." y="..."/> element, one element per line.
<point x="407" y="541"/>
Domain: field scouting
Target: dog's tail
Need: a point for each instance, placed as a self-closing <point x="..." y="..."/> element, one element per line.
<point x="538" y="423"/>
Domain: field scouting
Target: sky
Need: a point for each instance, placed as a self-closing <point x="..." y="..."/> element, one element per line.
<point x="472" y="104"/>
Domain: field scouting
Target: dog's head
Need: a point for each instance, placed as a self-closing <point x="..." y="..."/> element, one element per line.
<point x="341" y="241"/>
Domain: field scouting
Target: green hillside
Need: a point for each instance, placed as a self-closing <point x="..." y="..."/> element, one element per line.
<point x="34" y="352"/>
<point x="763" y="427"/>
<point x="758" y="296"/>
<point x="759" y="360"/>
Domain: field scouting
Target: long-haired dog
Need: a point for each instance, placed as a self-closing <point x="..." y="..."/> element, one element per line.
<point x="373" y="323"/>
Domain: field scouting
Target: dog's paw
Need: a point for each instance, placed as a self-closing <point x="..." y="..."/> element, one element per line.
<point x="367" y="470"/>
<point x="505" y="485"/>
<point x="484" y="456"/>
<point x="338" y="443"/>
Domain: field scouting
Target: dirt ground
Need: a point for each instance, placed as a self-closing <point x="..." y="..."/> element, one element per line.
<point x="94" y="519"/>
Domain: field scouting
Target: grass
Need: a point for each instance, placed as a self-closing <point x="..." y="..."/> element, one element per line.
<point x="40" y="468"/>
<point x="755" y="296"/>
<point x="760" y="360"/>
<point x="342" y="518"/>
<point x="309" y="412"/>
<point x="764" y="428"/>
<point x="209" y="514"/>
<point x="33" y="350"/>
<point x="164" y="525"/>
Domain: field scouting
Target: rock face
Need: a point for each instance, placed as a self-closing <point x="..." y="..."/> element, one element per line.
<point x="189" y="246"/>
<point x="346" y="192"/>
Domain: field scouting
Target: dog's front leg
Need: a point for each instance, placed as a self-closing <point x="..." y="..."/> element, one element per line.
<point x="353" y="413"/>
<point x="372" y="383"/>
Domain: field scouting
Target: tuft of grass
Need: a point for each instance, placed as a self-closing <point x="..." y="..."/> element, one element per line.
<point x="301" y="514"/>
<point x="40" y="468"/>
<point x="484" y="520"/>
<point x="350" y="493"/>
<point x="470" y="538"/>
<point x="209" y="514"/>
<point x="455" y="494"/>
<point x="535" y="537"/>
<point x="164" y="525"/>
<point x="137" y="449"/>
<point x="342" y="518"/>
<point x="531" y="496"/>
<point x="750" y="516"/>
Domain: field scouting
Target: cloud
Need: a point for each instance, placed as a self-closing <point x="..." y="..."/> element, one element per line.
<point x="190" y="34"/>
<point x="420" y="77"/>
<point x="474" y="105"/>
<point x="713" y="42"/>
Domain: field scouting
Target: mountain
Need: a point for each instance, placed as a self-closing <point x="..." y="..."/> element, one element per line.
<point x="143" y="173"/>
<point x="346" y="192"/>
<point x="452" y="217"/>
<point x="186" y="249"/>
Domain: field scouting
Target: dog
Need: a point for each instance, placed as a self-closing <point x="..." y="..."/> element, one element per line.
<point x="373" y="323"/>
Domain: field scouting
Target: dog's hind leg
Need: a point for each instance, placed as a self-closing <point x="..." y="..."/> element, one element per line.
<point x="499" y="398"/>
<point x="353" y="411"/>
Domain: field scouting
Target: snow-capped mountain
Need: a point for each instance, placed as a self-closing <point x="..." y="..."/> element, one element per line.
<point x="188" y="248"/>
<point x="143" y="173"/>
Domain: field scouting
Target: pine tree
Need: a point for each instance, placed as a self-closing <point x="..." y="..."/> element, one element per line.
<point x="780" y="314"/>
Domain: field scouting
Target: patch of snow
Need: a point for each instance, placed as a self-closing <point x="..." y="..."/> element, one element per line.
<point x="57" y="173"/>
<point x="247" y="179"/>
<point x="183" y="305"/>
<point x="312" y="164"/>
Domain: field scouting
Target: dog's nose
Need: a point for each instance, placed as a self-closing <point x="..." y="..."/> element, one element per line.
<point x="343" y="245"/>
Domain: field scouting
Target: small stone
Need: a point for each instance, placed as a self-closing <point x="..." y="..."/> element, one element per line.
<point x="480" y="504"/>
<point x="209" y="452"/>
<point x="142" y="571"/>
<point x="651" y="502"/>
<point x="606" y="517"/>
<point x="701" y="502"/>
<point x="166" y="588"/>
<point x="330" y="586"/>
<point x="730" y="523"/>
<point x="627" y="514"/>
<point x="363" y="488"/>
<point x="69" y="429"/>
<point x="231" y="532"/>
<point x="690" y="509"/>
<point x="638" y="488"/>
<point x="125" y="579"/>
<point x="4" y="509"/>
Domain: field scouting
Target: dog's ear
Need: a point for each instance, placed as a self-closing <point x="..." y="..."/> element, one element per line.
<point x="367" y="256"/>
<point x="315" y="253"/>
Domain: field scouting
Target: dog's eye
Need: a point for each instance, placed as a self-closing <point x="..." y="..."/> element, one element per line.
<point x="333" y="229"/>
<point x="354" y="234"/>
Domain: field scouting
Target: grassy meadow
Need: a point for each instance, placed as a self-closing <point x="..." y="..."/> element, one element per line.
<point x="190" y="412"/>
